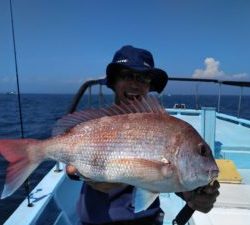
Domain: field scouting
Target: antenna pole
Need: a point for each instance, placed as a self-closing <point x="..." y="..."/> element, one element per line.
<point x="27" y="189"/>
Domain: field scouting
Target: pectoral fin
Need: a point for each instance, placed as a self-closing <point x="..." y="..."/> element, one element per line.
<point x="142" y="199"/>
<point x="141" y="169"/>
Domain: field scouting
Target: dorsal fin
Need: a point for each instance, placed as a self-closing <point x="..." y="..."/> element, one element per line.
<point x="148" y="104"/>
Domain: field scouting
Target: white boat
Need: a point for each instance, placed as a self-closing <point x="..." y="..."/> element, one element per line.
<point x="179" y="106"/>
<point x="228" y="136"/>
<point x="11" y="93"/>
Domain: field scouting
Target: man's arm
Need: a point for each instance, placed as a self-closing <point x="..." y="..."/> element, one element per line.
<point x="73" y="174"/>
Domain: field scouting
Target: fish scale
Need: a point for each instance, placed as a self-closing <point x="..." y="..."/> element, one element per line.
<point x="133" y="142"/>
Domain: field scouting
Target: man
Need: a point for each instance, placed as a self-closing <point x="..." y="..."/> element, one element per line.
<point x="131" y="75"/>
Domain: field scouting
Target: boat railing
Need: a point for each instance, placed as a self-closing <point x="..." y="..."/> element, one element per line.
<point x="222" y="116"/>
<point x="88" y="85"/>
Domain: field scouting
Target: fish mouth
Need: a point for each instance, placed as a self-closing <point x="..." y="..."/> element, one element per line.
<point x="213" y="175"/>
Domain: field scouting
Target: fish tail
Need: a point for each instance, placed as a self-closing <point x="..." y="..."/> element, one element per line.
<point x="23" y="155"/>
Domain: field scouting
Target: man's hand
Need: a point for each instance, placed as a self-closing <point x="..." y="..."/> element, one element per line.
<point x="202" y="199"/>
<point x="100" y="186"/>
<point x="71" y="170"/>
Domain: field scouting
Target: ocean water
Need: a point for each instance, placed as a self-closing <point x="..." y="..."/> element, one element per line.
<point x="40" y="112"/>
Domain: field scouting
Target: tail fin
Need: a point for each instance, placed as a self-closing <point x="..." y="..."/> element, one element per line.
<point x="23" y="160"/>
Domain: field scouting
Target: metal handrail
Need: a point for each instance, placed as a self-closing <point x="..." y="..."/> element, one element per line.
<point x="240" y="84"/>
<point x="81" y="91"/>
<point x="102" y="81"/>
<point x="226" y="82"/>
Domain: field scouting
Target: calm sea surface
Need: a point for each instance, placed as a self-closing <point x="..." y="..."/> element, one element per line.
<point x="40" y="111"/>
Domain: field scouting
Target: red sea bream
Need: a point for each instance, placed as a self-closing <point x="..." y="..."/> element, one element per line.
<point x="137" y="144"/>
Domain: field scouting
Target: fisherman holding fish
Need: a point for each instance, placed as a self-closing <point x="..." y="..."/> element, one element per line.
<point x="132" y="75"/>
<point x="127" y="153"/>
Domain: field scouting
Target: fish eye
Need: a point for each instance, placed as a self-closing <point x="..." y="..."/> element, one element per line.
<point x="203" y="149"/>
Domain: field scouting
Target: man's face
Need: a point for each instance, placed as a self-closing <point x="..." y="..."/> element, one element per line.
<point x="131" y="85"/>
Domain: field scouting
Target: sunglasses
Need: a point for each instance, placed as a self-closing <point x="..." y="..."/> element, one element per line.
<point x="128" y="75"/>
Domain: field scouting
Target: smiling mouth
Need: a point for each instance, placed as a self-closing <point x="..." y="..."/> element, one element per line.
<point x="132" y="95"/>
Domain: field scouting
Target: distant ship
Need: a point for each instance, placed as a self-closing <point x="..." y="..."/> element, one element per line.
<point x="11" y="93"/>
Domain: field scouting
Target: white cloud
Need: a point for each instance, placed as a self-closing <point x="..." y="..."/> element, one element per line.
<point x="212" y="71"/>
<point x="240" y="76"/>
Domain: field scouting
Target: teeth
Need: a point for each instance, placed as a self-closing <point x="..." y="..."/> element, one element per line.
<point x="132" y="94"/>
<point x="213" y="176"/>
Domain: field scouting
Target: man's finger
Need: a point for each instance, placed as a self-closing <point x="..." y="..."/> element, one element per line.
<point x="210" y="189"/>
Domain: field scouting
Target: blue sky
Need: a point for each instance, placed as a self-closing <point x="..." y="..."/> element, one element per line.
<point x="61" y="43"/>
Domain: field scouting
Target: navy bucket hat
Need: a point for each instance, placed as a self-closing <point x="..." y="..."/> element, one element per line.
<point x="139" y="60"/>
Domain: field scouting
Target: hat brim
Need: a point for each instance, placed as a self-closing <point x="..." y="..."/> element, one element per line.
<point x="159" y="78"/>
